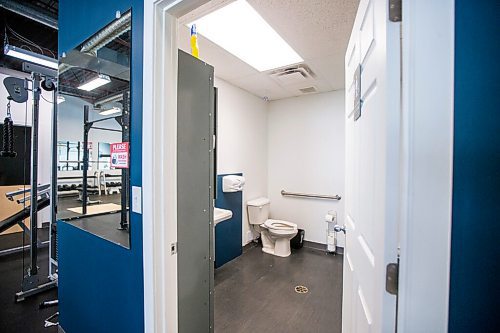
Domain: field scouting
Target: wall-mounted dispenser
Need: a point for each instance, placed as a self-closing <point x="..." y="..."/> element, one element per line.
<point x="233" y="183"/>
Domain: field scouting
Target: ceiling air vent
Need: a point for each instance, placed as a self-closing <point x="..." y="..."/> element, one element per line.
<point x="293" y="75"/>
<point x="308" y="90"/>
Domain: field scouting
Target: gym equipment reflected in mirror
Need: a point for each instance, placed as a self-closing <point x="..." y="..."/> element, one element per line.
<point x="94" y="133"/>
<point x="70" y="156"/>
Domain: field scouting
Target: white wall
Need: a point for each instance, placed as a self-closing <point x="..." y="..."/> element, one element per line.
<point x="306" y="153"/>
<point x="242" y="141"/>
<point x="21" y="115"/>
<point x="296" y="144"/>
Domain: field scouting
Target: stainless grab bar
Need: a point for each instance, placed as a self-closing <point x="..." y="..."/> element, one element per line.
<point x="305" y="195"/>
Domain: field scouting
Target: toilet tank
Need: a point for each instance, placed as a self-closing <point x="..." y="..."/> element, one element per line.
<point x="258" y="210"/>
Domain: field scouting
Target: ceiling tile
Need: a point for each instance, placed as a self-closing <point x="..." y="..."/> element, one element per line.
<point x="312" y="27"/>
<point x="327" y="68"/>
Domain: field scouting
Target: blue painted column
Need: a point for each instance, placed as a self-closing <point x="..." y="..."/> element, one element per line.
<point x="101" y="283"/>
<point x="228" y="234"/>
<point x="475" y="258"/>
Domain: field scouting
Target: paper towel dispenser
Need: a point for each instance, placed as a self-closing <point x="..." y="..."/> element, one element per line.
<point x="232" y="183"/>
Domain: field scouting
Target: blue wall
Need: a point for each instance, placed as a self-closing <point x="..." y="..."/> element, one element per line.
<point x="228" y="234"/>
<point x="100" y="283"/>
<point x="474" y="290"/>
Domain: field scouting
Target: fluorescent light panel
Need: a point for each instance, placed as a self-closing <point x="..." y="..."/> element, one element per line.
<point x="96" y="82"/>
<point x="240" y="30"/>
<point x="113" y="110"/>
<point x="33" y="57"/>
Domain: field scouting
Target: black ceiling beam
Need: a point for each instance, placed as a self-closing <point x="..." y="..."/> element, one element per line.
<point x="29" y="12"/>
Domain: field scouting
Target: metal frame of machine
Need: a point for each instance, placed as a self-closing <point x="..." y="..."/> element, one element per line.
<point x="45" y="195"/>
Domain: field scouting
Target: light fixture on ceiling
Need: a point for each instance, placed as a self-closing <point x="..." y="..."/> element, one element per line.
<point x="60" y="99"/>
<point x="240" y="30"/>
<point x="33" y="57"/>
<point x="113" y="110"/>
<point x="96" y="82"/>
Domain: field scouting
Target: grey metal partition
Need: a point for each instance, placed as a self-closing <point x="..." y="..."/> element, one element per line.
<point x="195" y="194"/>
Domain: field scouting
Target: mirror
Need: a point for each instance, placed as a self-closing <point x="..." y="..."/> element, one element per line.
<point x="94" y="133"/>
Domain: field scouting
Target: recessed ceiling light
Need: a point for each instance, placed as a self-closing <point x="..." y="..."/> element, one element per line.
<point x="113" y="110"/>
<point x="240" y="30"/>
<point x="60" y="99"/>
<point x="96" y="82"/>
<point x="33" y="57"/>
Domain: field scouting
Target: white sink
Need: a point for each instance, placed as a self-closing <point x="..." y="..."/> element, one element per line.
<point x="221" y="215"/>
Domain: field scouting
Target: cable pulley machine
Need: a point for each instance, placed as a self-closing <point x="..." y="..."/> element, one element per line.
<point x="40" y="195"/>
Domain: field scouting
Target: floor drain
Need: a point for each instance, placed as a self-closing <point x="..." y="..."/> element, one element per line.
<point x="301" y="289"/>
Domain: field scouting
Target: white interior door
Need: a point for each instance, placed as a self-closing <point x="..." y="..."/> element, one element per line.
<point x="372" y="169"/>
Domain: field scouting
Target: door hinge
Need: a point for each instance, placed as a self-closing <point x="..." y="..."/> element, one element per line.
<point x="392" y="278"/>
<point x="173" y="248"/>
<point x="395" y="10"/>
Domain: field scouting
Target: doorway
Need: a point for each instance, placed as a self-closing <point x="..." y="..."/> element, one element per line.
<point x="168" y="28"/>
<point x="259" y="132"/>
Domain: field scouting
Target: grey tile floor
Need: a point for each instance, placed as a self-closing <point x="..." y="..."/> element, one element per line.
<point x="255" y="293"/>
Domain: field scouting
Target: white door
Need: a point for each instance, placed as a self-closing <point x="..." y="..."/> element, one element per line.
<point x="372" y="169"/>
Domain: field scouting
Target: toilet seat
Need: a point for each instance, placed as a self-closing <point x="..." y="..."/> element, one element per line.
<point x="279" y="227"/>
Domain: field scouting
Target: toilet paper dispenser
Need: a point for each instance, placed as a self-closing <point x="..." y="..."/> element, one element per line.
<point x="233" y="183"/>
<point x="331" y="234"/>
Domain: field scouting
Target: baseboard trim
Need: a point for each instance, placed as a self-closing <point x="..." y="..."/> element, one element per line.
<point x="322" y="247"/>
<point x="249" y="246"/>
<point x="307" y="244"/>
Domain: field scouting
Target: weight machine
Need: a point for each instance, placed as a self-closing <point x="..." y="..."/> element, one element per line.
<point x="40" y="196"/>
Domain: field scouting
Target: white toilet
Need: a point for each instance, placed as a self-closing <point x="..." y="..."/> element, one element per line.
<point x="275" y="234"/>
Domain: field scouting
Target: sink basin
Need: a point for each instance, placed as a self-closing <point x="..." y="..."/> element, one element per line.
<point x="221" y="215"/>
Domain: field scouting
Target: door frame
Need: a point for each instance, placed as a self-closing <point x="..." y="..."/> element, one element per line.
<point x="424" y="239"/>
<point x="159" y="162"/>
<point x="426" y="164"/>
